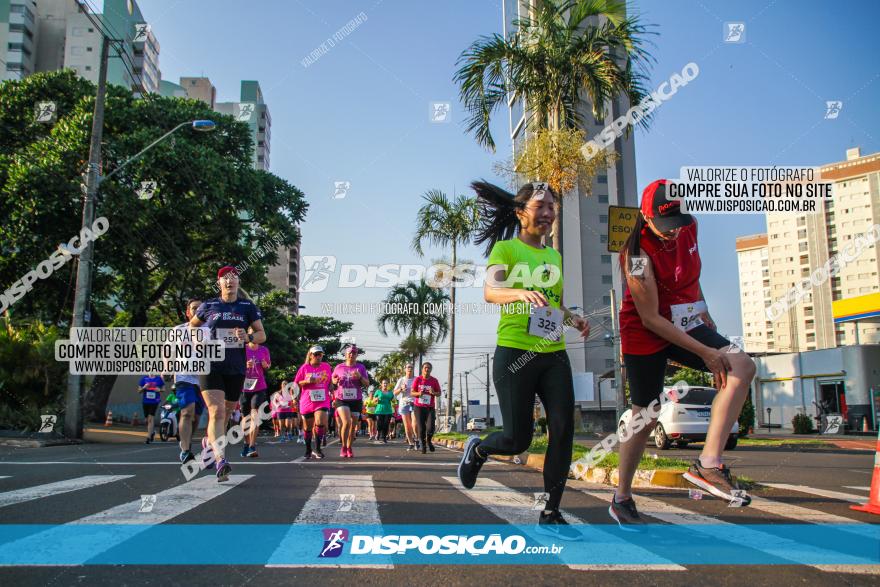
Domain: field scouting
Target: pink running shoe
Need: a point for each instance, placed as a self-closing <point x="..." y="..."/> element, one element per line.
<point x="350" y="453"/>
<point x="343" y="453"/>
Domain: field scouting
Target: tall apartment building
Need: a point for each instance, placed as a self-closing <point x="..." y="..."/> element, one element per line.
<point x="795" y="246"/>
<point x="47" y="35"/>
<point x="754" y="290"/>
<point x="590" y="270"/>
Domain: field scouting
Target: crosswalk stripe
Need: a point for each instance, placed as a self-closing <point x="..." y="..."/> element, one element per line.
<point x="857" y="488"/>
<point x="754" y="539"/>
<point x="802" y="514"/>
<point x="326" y="507"/>
<point x="123" y="522"/>
<point x="818" y="492"/>
<point x="49" y="489"/>
<point x="516" y="508"/>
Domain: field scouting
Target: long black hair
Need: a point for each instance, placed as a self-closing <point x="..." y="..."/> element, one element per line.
<point x="498" y="208"/>
<point x="632" y="247"/>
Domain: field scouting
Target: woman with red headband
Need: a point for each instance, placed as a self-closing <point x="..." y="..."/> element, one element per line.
<point x="664" y="317"/>
<point x="228" y="317"/>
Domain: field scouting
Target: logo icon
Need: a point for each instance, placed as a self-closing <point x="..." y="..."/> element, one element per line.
<point x="737" y="344"/>
<point x="245" y="111"/>
<point x="833" y="425"/>
<point x="47" y="423"/>
<point x="441" y="112"/>
<point x="141" y="32"/>
<point x="147" y="189"/>
<point x="317" y="272"/>
<point x="147" y="503"/>
<point x="832" y="109"/>
<point x="334" y="539"/>
<point x="45" y="112"/>
<point x="637" y="266"/>
<point x="346" y="501"/>
<point x="341" y="189"/>
<point x="734" y="32"/>
<point x="540" y="501"/>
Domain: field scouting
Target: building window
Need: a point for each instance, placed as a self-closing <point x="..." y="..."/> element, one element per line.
<point x="606" y="279"/>
<point x="603" y="199"/>
<point x="603" y="218"/>
<point x="602" y="179"/>
<point x="606" y="299"/>
<point x="801" y="221"/>
<point x="603" y="238"/>
<point x="606" y="259"/>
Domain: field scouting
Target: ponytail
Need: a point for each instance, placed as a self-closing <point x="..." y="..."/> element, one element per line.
<point x="632" y="246"/>
<point x="498" y="208"/>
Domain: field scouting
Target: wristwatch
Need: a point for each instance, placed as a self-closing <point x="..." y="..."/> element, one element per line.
<point x="250" y="338"/>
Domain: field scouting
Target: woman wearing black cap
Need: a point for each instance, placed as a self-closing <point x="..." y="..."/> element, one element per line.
<point x="664" y="317"/>
<point x="524" y="276"/>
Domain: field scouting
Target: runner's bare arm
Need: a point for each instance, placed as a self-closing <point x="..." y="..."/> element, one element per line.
<point x="579" y="322"/>
<point x="495" y="293"/>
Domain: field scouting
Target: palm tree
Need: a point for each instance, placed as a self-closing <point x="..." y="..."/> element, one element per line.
<point x="442" y="222"/>
<point x="564" y="50"/>
<point x="422" y="329"/>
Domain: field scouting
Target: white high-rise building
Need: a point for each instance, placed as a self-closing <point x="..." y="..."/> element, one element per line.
<point x="796" y="245"/>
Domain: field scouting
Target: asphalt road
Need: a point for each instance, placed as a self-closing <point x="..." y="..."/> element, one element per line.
<point x="407" y="488"/>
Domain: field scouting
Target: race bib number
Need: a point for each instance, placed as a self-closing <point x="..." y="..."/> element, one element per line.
<point x="250" y="383"/>
<point x="546" y="322"/>
<point x="424" y="400"/>
<point x="349" y="393"/>
<point x="687" y="316"/>
<point x="151" y="395"/>
<point x="317" y="395"/>
<point x="230" y="341"/>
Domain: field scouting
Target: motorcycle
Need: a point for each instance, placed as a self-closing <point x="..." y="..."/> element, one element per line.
<point x="169" y="419"/>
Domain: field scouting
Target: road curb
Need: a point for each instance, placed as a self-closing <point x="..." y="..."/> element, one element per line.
<point x="36" y="443"/>
<point x="643" y="477"/>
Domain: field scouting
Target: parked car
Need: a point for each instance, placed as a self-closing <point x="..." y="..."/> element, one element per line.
<point x="684" y="420"/>
<point x="476" y="424"/>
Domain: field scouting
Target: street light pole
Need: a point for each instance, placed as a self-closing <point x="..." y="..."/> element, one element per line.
<point x="73" y="402"/>
<point x="618" y="379"/>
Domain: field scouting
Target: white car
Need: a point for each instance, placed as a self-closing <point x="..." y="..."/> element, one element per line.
<point x="475" y="424"/>
<point x="684" y="420"/>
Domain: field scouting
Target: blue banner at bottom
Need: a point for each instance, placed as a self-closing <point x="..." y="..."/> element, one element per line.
<point x="389" y="545"/>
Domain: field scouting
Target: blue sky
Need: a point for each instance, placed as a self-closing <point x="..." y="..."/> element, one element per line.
<point x="360" y="113"/>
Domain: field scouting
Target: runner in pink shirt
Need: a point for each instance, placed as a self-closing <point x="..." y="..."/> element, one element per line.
<point x="315" y="401"/>
<point x="350" y="379"/>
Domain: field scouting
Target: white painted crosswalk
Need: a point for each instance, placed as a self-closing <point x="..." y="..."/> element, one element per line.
<point x="39" y="491"/>
<point x="819" y="492"/>
<point x="746" y="537"/>
<point x="125" y="522"/>
<point x="517" y="508"/>
<point x="340" y="500"/>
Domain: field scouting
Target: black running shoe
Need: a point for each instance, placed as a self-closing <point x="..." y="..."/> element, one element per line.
<point x="470" y="464"/>
<point x="431" y="446"/>
<point x="717" y="481"/>
<point x="424" y="449"/>
<point x="308" y="455"/>
<point x="223" y="470"/>
<point x="318" y="454"/>
<point x="186" y="456"/>
<point x="148" y="440"/>
<point x="245" y="450"/>
<point x="625" y="514"/>
<point x="553" y="524"/>
<point x="252" y="453"/>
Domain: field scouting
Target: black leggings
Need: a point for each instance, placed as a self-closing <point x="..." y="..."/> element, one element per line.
<point x="519" y="375"/>
<point x="382" y="421"/>
<point x="424" y="424"/>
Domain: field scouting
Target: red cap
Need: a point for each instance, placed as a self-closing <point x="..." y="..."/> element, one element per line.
<point x="226" y="269"/>
<point x="665" y="213"/>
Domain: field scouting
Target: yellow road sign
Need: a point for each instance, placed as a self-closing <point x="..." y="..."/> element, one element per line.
<point x="621" y="220"/>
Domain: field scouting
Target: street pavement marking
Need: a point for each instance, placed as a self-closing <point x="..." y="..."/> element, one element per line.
<point x="39" y="491"/>
<point x="390" y="461"/>
<point x="819" y="492"/>
<point x="734" y="533"/>
<point x="857" y="488"/>
<point x="125" y="521"/>
<point x="516" y="508"/>
<point x="324" y="507"/>
<point x="802" y="514"/>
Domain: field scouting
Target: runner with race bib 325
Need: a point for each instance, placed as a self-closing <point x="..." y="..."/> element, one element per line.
<point x="524" y="276"/>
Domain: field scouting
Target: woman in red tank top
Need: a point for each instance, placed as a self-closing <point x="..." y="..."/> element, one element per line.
<point x="664" y="317"/>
